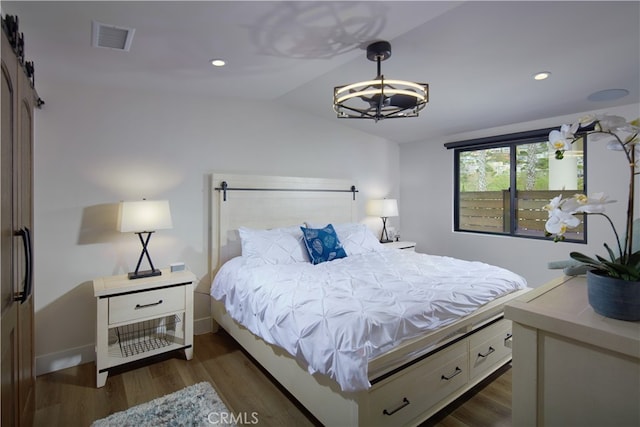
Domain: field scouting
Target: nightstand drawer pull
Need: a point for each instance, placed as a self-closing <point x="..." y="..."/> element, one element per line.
<point x="139" y="306"/>
<point x="491" y="350"/>
<point x="456" y="372"/>
<point x="404" y="403"/>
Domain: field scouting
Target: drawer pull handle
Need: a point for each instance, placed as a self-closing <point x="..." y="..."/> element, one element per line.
<point x="404" y="403"/>
<point x="138" y="306"/>
<point x="491" y="350"/>
<point x="456" y="372"/>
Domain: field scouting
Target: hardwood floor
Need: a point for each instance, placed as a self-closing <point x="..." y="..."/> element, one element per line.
<point x="69" y="397"/>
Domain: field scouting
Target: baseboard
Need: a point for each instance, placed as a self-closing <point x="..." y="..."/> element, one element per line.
<point x="77" y="356"/>
<point x="65" y="359"/>
<point x="202" y="325"/>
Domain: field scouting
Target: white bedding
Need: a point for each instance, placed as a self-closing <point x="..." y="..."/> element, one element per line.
<point x="335" y="316"/>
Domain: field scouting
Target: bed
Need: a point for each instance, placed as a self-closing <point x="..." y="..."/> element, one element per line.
<point x="402" y="381"/>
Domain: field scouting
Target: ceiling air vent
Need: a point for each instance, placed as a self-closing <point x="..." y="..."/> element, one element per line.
<point x="111" y="37"/>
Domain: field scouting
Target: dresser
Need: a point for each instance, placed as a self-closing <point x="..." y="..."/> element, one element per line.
<point x="571" y="366"/>
<point x="140" y="318"/>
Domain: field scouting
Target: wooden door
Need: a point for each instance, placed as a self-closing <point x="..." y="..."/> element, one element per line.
<point x="23" y="255"/>
<point x="8" y="306"/>
<point x="17" y="365"/>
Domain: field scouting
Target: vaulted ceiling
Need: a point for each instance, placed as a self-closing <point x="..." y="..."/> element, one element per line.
<point x="478" y="57"/>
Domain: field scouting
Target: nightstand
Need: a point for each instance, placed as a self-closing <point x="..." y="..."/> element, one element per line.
<point x="140" y="318"/>
<point x="410" y="246"/>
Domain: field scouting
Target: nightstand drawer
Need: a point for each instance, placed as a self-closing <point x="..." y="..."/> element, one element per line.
<point x="134" y="306"/>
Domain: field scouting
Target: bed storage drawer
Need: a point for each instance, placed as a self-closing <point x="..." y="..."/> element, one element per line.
<point x="141" y="305"/>
<point x="400" y="399"/>
<point x="489" y="347"/>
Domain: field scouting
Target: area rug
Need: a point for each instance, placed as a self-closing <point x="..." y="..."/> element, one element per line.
<point x="196" y="405"/>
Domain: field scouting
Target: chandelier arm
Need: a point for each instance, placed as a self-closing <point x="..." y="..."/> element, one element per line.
<point x="381" y="97"/>
<point x="356" y="110"/>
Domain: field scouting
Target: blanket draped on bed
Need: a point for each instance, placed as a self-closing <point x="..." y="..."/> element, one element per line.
<point x="336" y="316"/>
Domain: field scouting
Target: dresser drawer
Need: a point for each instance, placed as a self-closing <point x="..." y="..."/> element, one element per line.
<point x="124" y="308"/>
<point x="489" y="347"/>
<point x="399" y="400"/>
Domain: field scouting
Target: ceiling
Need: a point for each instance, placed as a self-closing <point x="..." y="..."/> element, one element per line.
<point x="478" y="57"/>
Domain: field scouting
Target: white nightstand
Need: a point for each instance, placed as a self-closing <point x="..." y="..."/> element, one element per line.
<point x="141" y="318"/>
<point x="411" y="246"/>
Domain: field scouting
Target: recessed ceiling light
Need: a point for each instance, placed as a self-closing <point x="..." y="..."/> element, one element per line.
<point x="542" y="75"/>
<point x="608" y="95"/>
<point x="218" y="62"/>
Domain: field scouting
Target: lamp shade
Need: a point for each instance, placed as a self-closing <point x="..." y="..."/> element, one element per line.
<point x="145" y="215"/>
<point x="383" y="208"/>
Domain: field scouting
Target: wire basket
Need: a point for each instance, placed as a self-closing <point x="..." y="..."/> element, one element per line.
<point x="145" y="336"/>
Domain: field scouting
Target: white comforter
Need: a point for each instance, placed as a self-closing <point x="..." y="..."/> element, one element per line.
<point x="335" y="316"/>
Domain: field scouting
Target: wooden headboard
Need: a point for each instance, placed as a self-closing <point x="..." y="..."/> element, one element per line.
<point x="273" y="201"/>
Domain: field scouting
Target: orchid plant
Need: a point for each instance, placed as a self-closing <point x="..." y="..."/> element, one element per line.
<point x="621" y="136"/>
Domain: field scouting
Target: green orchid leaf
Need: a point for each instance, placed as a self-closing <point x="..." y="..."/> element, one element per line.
<point x="634" y="259"/>
<point x="583" y="258"/>
<point x="588" y="261"/>
<point x="611" y="254"/>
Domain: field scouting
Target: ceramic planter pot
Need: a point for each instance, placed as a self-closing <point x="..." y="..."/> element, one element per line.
<point x="614" y="298"/>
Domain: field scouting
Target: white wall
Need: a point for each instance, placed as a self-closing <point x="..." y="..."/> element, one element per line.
<point x="426" y="204"/>
<point x="96" y="147"/>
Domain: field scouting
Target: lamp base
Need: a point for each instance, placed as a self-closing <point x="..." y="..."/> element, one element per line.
<point x="386" y="241"/>
<point x="144" y="273"/>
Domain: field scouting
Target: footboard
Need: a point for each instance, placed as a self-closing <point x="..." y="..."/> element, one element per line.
<point x="407" y="395"/>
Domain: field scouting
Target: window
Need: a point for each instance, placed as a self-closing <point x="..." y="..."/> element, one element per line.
<point x="503" y="182"/>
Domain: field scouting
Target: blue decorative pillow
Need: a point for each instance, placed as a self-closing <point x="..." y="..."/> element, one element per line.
<point x="322" y="244"/>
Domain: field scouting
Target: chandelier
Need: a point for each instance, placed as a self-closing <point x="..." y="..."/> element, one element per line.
<point x="380" y="98"/>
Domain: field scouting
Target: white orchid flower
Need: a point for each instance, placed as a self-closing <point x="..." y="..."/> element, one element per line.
<point x="625" y="133"/>
<point x="626" y="137"/>
<point x="553" y="204"/>
<point x="619" y="136"/>
<point x="561" y="140"/>
<point x="595" y="203"/>
<point x="587" y="120"/>
<point x="559" y="221"/>
<point x="570" y="205"/>
<point x="611" y="123"/>
<point x="561" y="211"/>
<point x="582" y="199"/>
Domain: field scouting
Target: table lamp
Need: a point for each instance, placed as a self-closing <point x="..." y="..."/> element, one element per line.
<point x="383" y="208"/>
<point x="144" y="218"/>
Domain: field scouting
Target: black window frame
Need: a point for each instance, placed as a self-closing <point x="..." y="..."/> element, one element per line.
<point x="510" y="140"/>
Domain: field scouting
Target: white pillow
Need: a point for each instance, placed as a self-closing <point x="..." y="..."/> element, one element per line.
<point x="355" y="238"/>
<point x="275" y="246"/>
